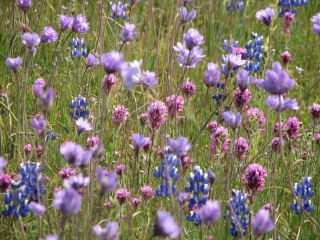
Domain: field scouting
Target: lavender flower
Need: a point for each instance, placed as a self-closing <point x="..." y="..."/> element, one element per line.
<point x="83" y="125"/>
<point x="66" y="22"/>
<point x="80" y="24"/>
<point x="92" y="61"/>
<point x="127" y="33"/>
<point x="24" y="4"/>
<point x="233" y="61"/>
<point x="315" y="111"/>
<point x="14" y="63"/>
<point x="37" y="208"/>
<point x="244" y="80"/>
<point x="186" y="57"/>
<point x="76" y="182"/>
<point x="165" y="225"/>
<point x="265" y="15"/>
<point x="31" y="40"/>
<point x="108" y="182"/>
<point x="147" y="192"/>
<point x="38" y="124"/>
<point x="262" y="223"/>
<point x="210" y="212"/>
<point x="274" y="103"/>
<point x="211" y="77"/>
<point x="38" y="86"/>
<point x="185" y="17"/>
<point x="148" y="79"/>
<point x="49" y="35"/>
<point x="110" y="232"/>
<point x="118" y="10"/>
<point x="112" y="62"/>
<point x="68" y="201"/>
<point x="316" y="24"/>
<point x="132" y="74"/>
<point x="233" y="120"/>
<point x="3" y="164"/>
<point x="193" y="38"/>
<point x="292" y="127"/>
<point x="180" y="146"/>
<point x="74" y="154"/>
<point x="277" y="81"/>
<point x="139" y="141"/>
<point x="47" y="99"/>
<point x="65" y="173"/>
<point x="182" y="198"/>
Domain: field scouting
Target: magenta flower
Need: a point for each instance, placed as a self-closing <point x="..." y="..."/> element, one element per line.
<point x="92" y="61"/>
<point x="5" y="181"/>
<point x="127" y="33"/>
<point x="265" y="15"/>
<point x="277" y="81"/>
<point x="233" y="120"/>
<point x="174" y="104"/>
<point x="120" y="169"/>
<point x="147" y="192"/>
<point x="187" y="58"/>
<point x="157" y="113"/>
<point x="262" y="223"/>
<point x="315" y="111"/>
<point x="112" y="62"/>
<point x="210" y="212"/>
<point x="185" y="17"/>
<point x="220" y="140"/>
<point x="83" y="125"/>
<point x="38" y="124"/>
<point x="241" y="98"/>
<point x="253" y="178"/>
<point x="211" y="77"/>
<point x="108" y="81"/>
<point x="92" y="142"/>
<point x="74" y="154"/>
<point x="212" y="126"/>
<point x="253" y="114"/>
<point x="38" y="86"/>
<point x="241" y="147"/>
<point x="80" y="24"/>
<point x="274" y="103"/>
<point x="132" y="2"/>
<point x="31" y="40"/>
<point x="288" y="20"/>
<point x="286" y="58"/>
<point x="49" y="35"/>
<point x="14" y="63"/>
<point x="24" y="4"/>
<point x="139" y="141"/>
<point x="120" y="115"/>
<point x="316" y="24"/>
<point x="67" y="172"/>
<point x="193" y="38"/>
<point x="166" y="226"/>
<point x="188" y="88"/>
<point x="186" y="2"/>
<point x="317" y="137"/>
<point x="148" y="79"/>
<point x="68" y="201"/>
<point x="27" y="148"/>
<point x="136" y="201"/>
<point x="37" y="208"/>
<point x="110" y="232"/>
<point x="292" y="127"/>
<point x="39" y="150"/>
<point x="66" y="22"/>
<point x="244" y="79"/>
<point x="122" y="195"/>
<point x="180" y="146"/>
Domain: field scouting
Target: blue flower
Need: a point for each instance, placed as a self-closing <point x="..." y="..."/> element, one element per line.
<point x="51" y="135"/>
<point x="304" y="190"/>
<point x="236" y="5"/>
<point x="79" y="106"/>
<point x="254" y="53"/>
<point x="78" y="45"/>
<point x="290" y="5"/>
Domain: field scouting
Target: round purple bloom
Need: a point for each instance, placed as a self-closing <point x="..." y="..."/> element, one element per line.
<point x="108" y="181"/>
<point x="127" y="33"/>
<point x="49" y="35"/>
<point x="244" y="80"/>
<point x="112" y="62"/>
<point x="37" y="208"/>
<point x="180" y="146"/>
<point x="139" y="141"/>
<point x="92" y="61"/>
<point x="277" y="81"/>
<point x="193" y="38"/>
<point x="253" y="178"/>
<point x="80" y="24"/>
<point x="185" y="17"/>
<point x="292" y="127"/>
<point x="74" y="154"/>
<point x="14" y="63"/>
<point x="188" y="88"/>
<point x="148" y="79"/>
<point x="233" y="120"/>
<point x="265" y="15"/>
<point x="38" y="86"/>
<point x="241" y="147"/>
<point x="316" y="24"/>
<point x="274" y="103"/>
<point x="166" y="226"/>
<point x="210" y="212"/>
<point x="47" y="99"/>
<point x="76" y="182"/>
<point x="186" y="57"/>
<point x="211" y="77"/>
<point x="68" y="201"/>
<point x="262" y="223"/>
<point x="110" y="232"/>
<point x="38" y="124"/>
<point x="315" y="111"/>
<point x="31" y="40"/>
<point x="5" y="181"/>
<point x="83" y="125"/>
<point x="132" y="74"/>
<point x="24" y="4"/>
<point x="66" y="22"/>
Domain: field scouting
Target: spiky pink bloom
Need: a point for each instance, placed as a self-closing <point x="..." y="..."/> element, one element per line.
<point x="147" y="192"/>
<point x="220" y="140"/>
<point x="186" y="162"/>
<point x="157" y="113"/>
<point x="253" y="178"/>
<point x="27" y="148"/>
<point x="241" y="99"/>
<point x="188" y="88"/>
<point x="288" y="20"/>
<point x="108" y="81"/>
<point x="292" y="127"/>
<point x="315" y="111"/>
<point x="276" y="145"/>
<point x="286" y="57"/>
<point x="108" y="205"/>
<point x="67" y="172"/>
<point x="120" y="115"/>
<point x="122" y="195"/>
<point x="212" y="126"/>
<point x="5" y="181"/>
<point x="120" y="169"/>
<point x="256" y="115"/>
<point x="92" y="142"/>
<point x="241" y="147"/>
<point x="318" y="137"/>
<point x="174" y="104"/>
<point x="136" y="202"/>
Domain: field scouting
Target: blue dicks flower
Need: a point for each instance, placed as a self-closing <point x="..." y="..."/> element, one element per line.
<point x="281" y="104"/>
<point x="233" y="120"/>
<point x="148" y="79"/>
<point x="187" y="58"/>
<point x="108" y="181"/>
<point x="244" y="79"/>
<point x="112" y="62"/>
<point x="185" y="17"/>
<point x="166" y="226"/>
<point x="37" y="208"/>
<point x="193" y="38"/>
<point x="262" y="223"/>
<point x="180" y="146"/>
<point x="110" y="232"/>
<point x="265" y="15"/>
<point x="210" y="212"/>
<point x="68" y="201"/>
<point x="49" y="35"/>
<point x="211" y="77"/>
<point x="79" y="106"/>
<point x="92" y="61"/>
<point x="118" y="10"/>
<point x="80" y="24"/>
<point x="14" y="63"/>
<point x="305" y="191"/>
<point x="127" y="33"/>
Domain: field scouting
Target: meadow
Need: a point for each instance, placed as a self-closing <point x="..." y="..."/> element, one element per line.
<point x="142" y="119"/>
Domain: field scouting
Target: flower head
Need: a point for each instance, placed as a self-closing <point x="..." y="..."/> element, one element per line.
<point x="24" y="4"/>
<point x="244" y="79"/>
<point x="185" y="17"/>
<point x="241" y="147"/>
<point x="47" y="99"/>
<point x="112" y="62"/>
<point x="92" y="61"/>
<point x="262" y="223"/>
<point x="193" y="38"/>
<point x="281" y="105"/>
<point x="147" y="192"/>
<point x="136" y="201"/>
<point x="66" y="22"/>
<point x="110" y="232"/>
<point x="108" y="81"/>
<point x="108" y="181"/>
<point x="233" y="61"/>
<point x="157" y="113"/>
<point x="5" y="181"/>
<point x="83" y="125"/>
<point x="253" y="178"/>
<point x="120" y="115"/>
<point x="188" y="88"/>
<point x="241" y="98"/>
<point x="80" y="24"/>
<point x="76" y="182"/>
<point x="38" y="124"/>
<point x="132" y="74"/>
<point x="68" y="201"/>
<point x="292" y="127"/>
<point x="180" y="146"/>
<point x="165" y="225"/>
<point x="14" y="63"/>
<point x="122" y="195"/>
<point x="186" y="57"/>
<point x="174" y="104"/>
<point x="286" y="57"/>
<point x="265" y="15"/>
<point x="182" y="198"/>
<point x="316" y="24"/>
<point x="31" y="40"/>
<point x="139" y="141"/>
<point x="210" y="212"/>
<point x="315" y="111"/>
<point x="211" y="77"/>
<point x="233" y="120"/>
<point x="38" y="86"/>
<point x="74" y="154"/>
<point x="148" y="79"/>
<point x="49" y="35"/>
<point x="127" y="33"/>
<point x="67" y="172"/>
<point x="37" y="208"/>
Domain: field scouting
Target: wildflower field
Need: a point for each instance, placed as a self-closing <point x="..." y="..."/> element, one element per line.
<point x="143" y="119"/>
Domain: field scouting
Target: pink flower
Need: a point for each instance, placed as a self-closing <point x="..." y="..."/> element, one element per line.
<point x="288" y="20"/>
<point x="108" y="81"/>
<point x="147" y="192"/>
<point x="157" y="113"/>
<point x="186" y="162"/>
<point x="65" y="173"/>
<point x="92" y="142"/>
<point x="136" y="201"/>
<point x="120" y="115"/>
<point x="108" y="205"/>
<point x="57" y="189"/>
<point x="220" y="140"/>
<point x="253" y="178"/>
<point x="174" y="104"/>
<point x="317" y="137"/>
<point x="27" y="148"/>
<point x="122" y="195"/>
<point x="276" y="145"/>
<point x="286" y="58"/>
<point x="120" y="169"/>
<point x="292" y="127"/>
<point x="240" y="98"/>
<point x="239" y="51"/>
<point x="212" y="126"/>
<point x="5" y="181"/>
<point x="39" y="150"/>
<point x="188" y="88"/>
<point x="315" y="111"/>
<point x="241" y="147"/>
<point x="253" y="114"/>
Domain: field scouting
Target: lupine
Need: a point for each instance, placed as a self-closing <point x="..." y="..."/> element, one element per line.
<point x="49" y="35"/>
<point x="78" y="44"/>
<point x="31" y="40"/>
<point x="185" y="17"/>
<point x="265" y="15"/>
<point x="305" y="191"/>
<point x="80" y="24"/>
<point x="127" y="33"/>
<point x="254" y="53"/>
<point x="66" y="22"/>
<point x="132" y="74"/>
<point x="262" y="223"/>
<point x="289" y="6"/>
<point x="210" y="212"/>
<point x="253" y="178"/>
<point x="14" y="63"/>
<point x="79" y="105"/>
<point x="188" y="88"/>
<point x="68" y="201"/>
<point x="148" y="79"/>
<point x="165" y="225"/>
<point x="211" y="76"/>
<point x="236" y="5"/>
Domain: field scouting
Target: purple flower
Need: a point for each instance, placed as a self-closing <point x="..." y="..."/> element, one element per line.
<point x="112" y="62"/>
<point x="193" y="38"/>
<point x="24" y="4"/>
<point x="292" y="127"/>
<point x="277" y="81"/>
<point x="182" y="198"/>
<point x="185" y="17"/>
<point x="317" y="138"/>
<point x="76" y="182"/>
<point x="108" y="182"/>
<point x="3" y="164"/>
<point x="51" y="237"/>
<point x="241" y="147"/>
<point x="241" y="98"/>
<point x="14" y="63"/>
<point x="165" y="225"/>
<point x="180" y="146"/>
<point x="315" y="111"/>
<point x="122" y="195"/>
<point x="92" y="61"/>
<point x="210" y="212"/>
<point x="68" y="201"/>
<point x="132" y="74"/>
<point x="188" y="88"/>
<point x="139" y="141"/>
<point x="288" y="20"/>
<point x="37" y="208"/>
<point x="38" y="124"/>
<point x="220" y="139"/>
<point x="66" y="22"/>
<point x="83" y="125"/>
<point x="65" y="173"/>
<point x="148" y="79"/>
<point x="253" y="178"/>
<point x="212" y="126"/>
<point x="38" y="86"/>
<point x="5" y="181"/>
<point x="274" y="103"/>
<point x="157" y="113"/>
<point x="120" y="115"/>
<point x="110" y="232"/>
<point x="136" y="201"/>
<point x="186" y="2"/>
<point x="49" y="35"/>
<point x="174" y="104"/>
<point x="118" y="9"/>
<point x="108" y="81"/>
<point x="286" y="57"/>
<point x="211" y="177"/>
<point x="244" y="80"/>
<point x="31" y="40"/>
<point x="233" y="60"/>
<point x="186" y="57"/>
<point x="265" y="15"/>
<point x="233" y="120"/>
<point x="211" y="77"/>
<point x="316" y="24"/>
<point x="127" y="33"/>
<point x="147" y="192"/>
<point x="120" y="169"/>
<point x="74" y="154"/>
<point x="80" y="24"/>
<point x="132" y="2"/>
<point x="275" y="142"/>
<point x="47" y="99"/>
<point x="262" y="223"/>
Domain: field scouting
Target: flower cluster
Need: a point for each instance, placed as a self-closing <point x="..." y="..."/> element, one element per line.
<point x="80" y="108"/>
<point x="290" y="5"/>
<point x="78" y="48"/>
<point x="118" y="10"/>
<point x="220" y="140"/>
<point x="304" y="190"/>
<point x="254" y="53"/>
<point x="24" y="190"/>
<point x="253" y="178"/>
<point x="236" y="5"/>
<point x="198" y="184"/>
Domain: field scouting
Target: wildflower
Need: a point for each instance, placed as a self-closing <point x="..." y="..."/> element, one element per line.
<point x="120" y="115"/>
<point x="165" y="225"/>
<point x="185" y="17"/>
<point x="31" y="40"/>
<point x="288" y="20"/>
<point x="79" y="106"/>
<point x="51" y="237"/>
<point x="315" y="111"/>
<point x="67" y="172"/>
<point x="316" y="24"/>
<point x="211" y="76"/>
<point x="78" y="45"/>
<point x="110" y="232"/>
<point x="236" y="5"/>
<point x="180" y="146"/>
<point x="241" y="147"/>
<point x="80" y="24"/>
<point x="262" y="223"/>
<point x="68" y="201"/>
<point x="281" y="105"/>
<point x="108" y="81"/>
<point x="37" y="208"/>
<point x="5" y="181"/>
<point x="186" y="162"/>
<point x="127" y="33"/>
<point x="175" y="104"/>
<point x="118" y="10"/>
<point x="112" y="62"/>
<point x="122" y="195"/>
<point x="92" y="61"/>
<point x="157" y="113"/>
<point x="148" y="79"/>
<point x="277" y="81"/>
<point x="83" y="125"/>
<point x="220" y="139"/>
<point x="38" y="86"/>
<point x="305" y="191"/>
<point x="286" y="57"/>
<point x="3" y="164"/>
<point x="186" y="57"/>
<point x="74" y="154"/>
<point x="147" y="192"/>
<point x="132" y="2"/>
<point x="24" y="4"/>
<point x="186" y="2"/>
<point x="120" y="169"/>
<point x="212" y="126"/>
<point x="108" y="182"/>
<point x="27" y="149"/>
<point x="253" y="178"/>
<point x="289" y="6"/>
<point x="233" y="61"/>
<point x="182" y="198"/>
<point x="244" y="80"/>
<point x="265" y="15"/>
<point x="132" y="74"/>
<point x="66" y="22"/>
<point x="254" y="53"/>
<point x="292" y="127"/>
<point x="38" y="123"/>
<point x="254" y="115"/>
<point x="211" y="176"/>
<point x="49" y="35"/>
<point x="139" y="141"/>
<point x="241" y="98"/>
<point x="76" y="182"/>
<point x="14" y="63"/>
<point x="210" y="213"/>
<point x="233" y="120"/>
<point x="108" y="205"/>
<point x="92" y="142"/>
<point x="47" y="99"/>
<point x="39" y="150"/>
<point x="317" y="137"/>
<point x="188" y="88"/>
<point x="193" y="38"/>
<point x="136" y="201"/>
